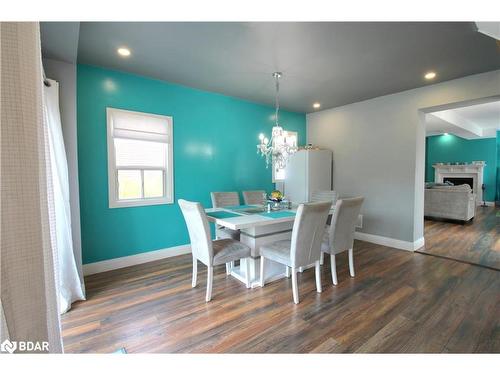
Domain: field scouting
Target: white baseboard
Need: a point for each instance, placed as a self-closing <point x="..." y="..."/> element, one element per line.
<point x="418" y="243"/>
<point x="149" y="256"/>
<point x="131" y="260"/>
<point x="390" y="242"/>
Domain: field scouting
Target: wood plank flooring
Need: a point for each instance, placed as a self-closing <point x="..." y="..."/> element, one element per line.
<point x="398" y="302"/>
<point x="476" y="242"/>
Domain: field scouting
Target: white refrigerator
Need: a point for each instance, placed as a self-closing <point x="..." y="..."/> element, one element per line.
<point x="307" y="171"/>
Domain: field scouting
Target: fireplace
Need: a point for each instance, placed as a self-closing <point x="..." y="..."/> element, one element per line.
<point x="471" y="174"/>
<point x="460" y="181"/>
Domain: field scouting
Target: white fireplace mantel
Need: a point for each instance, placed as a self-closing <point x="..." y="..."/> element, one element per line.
<point x="474" y="171"/>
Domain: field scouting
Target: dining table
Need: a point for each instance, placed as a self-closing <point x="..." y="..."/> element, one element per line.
<point x="258" y="226"/>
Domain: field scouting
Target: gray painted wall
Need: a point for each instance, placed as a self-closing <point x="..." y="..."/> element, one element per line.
<point x="379" y="150"/>
<point x="65" y="74"/>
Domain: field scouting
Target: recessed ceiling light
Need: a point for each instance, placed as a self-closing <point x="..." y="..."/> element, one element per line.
<point x="122" y="51"/>
<point x="430" y="75"/>
<point x="316" y="105"/>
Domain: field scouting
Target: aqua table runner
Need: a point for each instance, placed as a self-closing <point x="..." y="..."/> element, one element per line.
<point x="243" y="206"/>
<point x="222" y="214"/>
<point x="278" y="214"/>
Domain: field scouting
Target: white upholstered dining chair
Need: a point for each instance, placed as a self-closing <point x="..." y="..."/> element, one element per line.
<point x="211" y="253"/>
<point x="254" y="196"/>
<point x="340" y="234"/>
<point x="225" y="199"/>
<point x="323" y="196"/>
<point x="304" y="248"/>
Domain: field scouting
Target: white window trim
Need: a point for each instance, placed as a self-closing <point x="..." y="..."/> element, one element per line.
<point x="168" y="176"/>
<point x="296" y="134"/>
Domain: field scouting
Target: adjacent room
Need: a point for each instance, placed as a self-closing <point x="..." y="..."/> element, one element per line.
<point x="462" y="183"/>
<point x="251" y="187"/>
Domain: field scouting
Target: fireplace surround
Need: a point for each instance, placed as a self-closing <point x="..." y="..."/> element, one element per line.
<point x="460" y="181"/>
<point x="472" y="172"/>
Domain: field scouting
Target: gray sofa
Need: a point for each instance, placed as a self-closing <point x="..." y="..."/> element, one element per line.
<point x="450" y="202"/>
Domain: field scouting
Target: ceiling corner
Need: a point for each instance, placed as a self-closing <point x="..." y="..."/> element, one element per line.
<point x="60" y="40"/>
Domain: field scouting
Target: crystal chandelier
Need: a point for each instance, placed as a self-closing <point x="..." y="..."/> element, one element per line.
<point x="278" y="149"/>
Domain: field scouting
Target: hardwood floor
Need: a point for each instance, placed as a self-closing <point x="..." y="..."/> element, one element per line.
<point x="398" y="302"/>
<point x="476" y="242"/>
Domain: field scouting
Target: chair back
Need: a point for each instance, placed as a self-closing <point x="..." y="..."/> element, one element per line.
<point x="324" y="195"/>
<point x="225" y="199"/>
<point x="341" y="235"/>
<point x="199" y="231"/>
<point x="254" y="196"/>
<point x="308" y="231"/>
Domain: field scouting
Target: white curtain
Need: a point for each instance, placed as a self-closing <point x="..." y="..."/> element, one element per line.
<point x="70" y="285"/>
<point x="28" y="239"/>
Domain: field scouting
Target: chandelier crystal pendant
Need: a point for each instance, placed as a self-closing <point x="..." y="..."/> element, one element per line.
<point x="278" y="149"/>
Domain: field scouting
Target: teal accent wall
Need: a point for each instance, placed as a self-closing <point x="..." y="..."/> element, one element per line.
<point x="498" y="166"/>
<point x="215" y="139"/>
<point x="450" y="148"/>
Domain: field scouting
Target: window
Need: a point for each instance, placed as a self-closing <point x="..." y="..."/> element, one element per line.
<point x="140" y="165"/>
<point x="290" y="138"/>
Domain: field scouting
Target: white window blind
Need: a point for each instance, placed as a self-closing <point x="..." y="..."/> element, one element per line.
<point x="134" y="125"/>
<point x="139" y="158"/>
<point x="135" y="153"/>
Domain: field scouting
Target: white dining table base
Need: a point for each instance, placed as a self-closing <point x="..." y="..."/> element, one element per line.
<point x="255" y="237"/>
<point x="255" y="230"/>
<point x="274" y="271"/>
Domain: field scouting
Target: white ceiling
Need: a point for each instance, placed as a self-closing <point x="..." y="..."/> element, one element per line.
<point x="334" y="63"/>
<point x="60" y="40"/>
<point x="489" y="28"/>
<point x="470" y="122"/>
<point x="486" y="115"/>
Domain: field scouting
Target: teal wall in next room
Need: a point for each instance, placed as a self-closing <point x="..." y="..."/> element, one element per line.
<point x="450" y="148"/>
<point x="215" y="139"/>
<point x="498" y="166"/>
